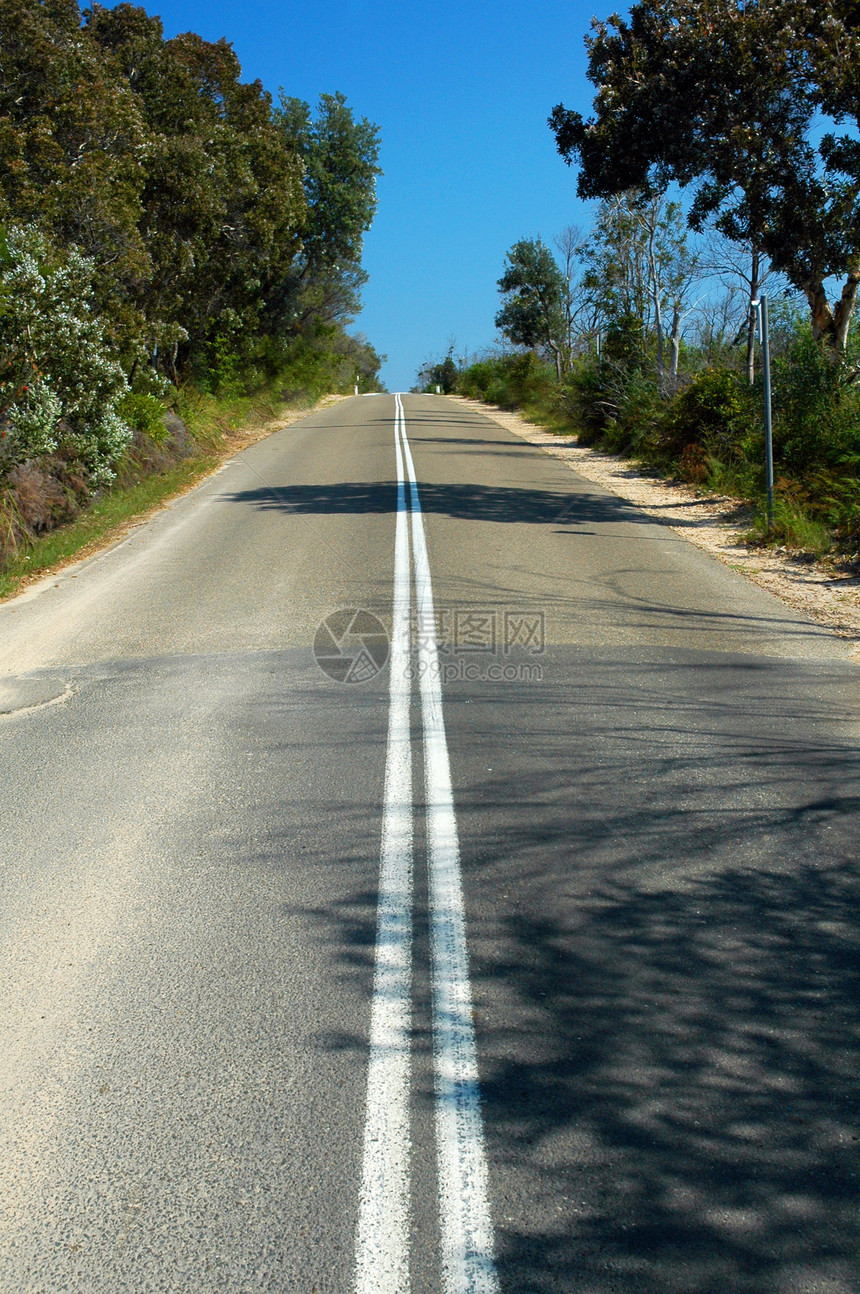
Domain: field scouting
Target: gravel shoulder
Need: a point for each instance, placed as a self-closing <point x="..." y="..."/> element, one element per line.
<point x="827" y="595"/>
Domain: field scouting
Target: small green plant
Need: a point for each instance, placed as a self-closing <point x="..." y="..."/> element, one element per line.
<point x="792" y="527"/>
<point x="145" y="415"/>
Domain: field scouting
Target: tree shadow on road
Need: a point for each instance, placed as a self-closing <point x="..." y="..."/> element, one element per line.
<point x="510" y="504"/>
<point x="664" y="923"/>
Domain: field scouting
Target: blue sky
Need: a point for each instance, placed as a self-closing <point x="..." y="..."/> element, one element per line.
<point x="461" y="93"/>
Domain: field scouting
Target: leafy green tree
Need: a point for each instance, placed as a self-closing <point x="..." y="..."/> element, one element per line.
<point x="439" y="373"/>
<point x="533" y="291"/>
<point x="72" y="146"/>
<point x="727" y="98"/>
<point x="163" y="219"/>
<point x="223" y="201"/>
<point x="340" y="156"/>
<point x="356" y="358"/>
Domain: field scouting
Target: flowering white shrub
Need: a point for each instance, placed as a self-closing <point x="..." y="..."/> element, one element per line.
<point x="59" y="382"/>
<point x="29" y="424"/>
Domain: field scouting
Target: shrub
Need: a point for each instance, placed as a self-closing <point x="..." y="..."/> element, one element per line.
<point x="61" y="385"/>
<point x="145" y="415"/>
<point x="476" y="380"/>
<point x="583" y="399"/>
<point x="816" y="407"/>
<point x="713" y="413"/>
<point x="510" y="381"/>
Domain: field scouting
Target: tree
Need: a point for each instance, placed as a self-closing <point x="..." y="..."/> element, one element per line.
<point x="60" y="384"/>
<point x="727" y="97"/>
<point x="340" y="157"/>
<point x="744" y="272"/>
<point x="672" y="269"/>
<point x="222" y="191"/>
<point x="640" y="266"/>
<point x="206" y="230"/>
<point x="441" y="373"/>
<point x="578" y="306"/>
<point x="533" y="292"/>
<point x="72" y="145"/>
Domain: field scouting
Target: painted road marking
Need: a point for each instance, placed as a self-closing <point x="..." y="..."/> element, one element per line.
<point x="382" y="1257"/>
<point x="467" y="1233"/>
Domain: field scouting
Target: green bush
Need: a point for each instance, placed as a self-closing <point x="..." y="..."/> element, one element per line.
<point x="710" y="430"/>
<point x="612" y="404"/>
<point x="520" y="380"/>
<point x="816" y="407"/>
<point x="715" y="412"/>
<point x="582" y="398"/>
<point x="624" y="342"/>
<point x="476" y="380"/>
<point x="145" y="415"/>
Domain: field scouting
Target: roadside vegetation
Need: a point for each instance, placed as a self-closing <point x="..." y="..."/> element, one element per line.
<point x="724" y="157"/>
<point x="178" y="255"/>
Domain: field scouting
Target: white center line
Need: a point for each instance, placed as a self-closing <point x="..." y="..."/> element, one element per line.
<point x="467" y="1234"/>
<point x="382" y="1256"/>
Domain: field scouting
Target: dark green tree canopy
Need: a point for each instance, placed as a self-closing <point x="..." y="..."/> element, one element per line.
<point x="340" y="159"/>
<point x="72" y="141"/>
<point x="727" y="97"/>
<point x="532" y="288"/>
<point x="222" y="195"/>
<point x="208" y="215"/>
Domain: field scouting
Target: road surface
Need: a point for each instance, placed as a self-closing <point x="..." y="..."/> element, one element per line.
<point x="502" y="937"/>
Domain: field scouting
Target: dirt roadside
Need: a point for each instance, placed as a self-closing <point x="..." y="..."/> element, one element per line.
<point x="827" y="595"/>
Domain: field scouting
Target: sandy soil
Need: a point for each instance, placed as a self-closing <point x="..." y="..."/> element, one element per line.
<point x="824" y="593"/>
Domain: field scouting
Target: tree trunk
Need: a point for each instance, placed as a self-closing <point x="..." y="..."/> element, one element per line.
<point x="655" y="295"/>
<point x="831" y="324"/>
<point x="755" y="270"/>
<point x="675" y="340"/>
<point x="846" y="305"/>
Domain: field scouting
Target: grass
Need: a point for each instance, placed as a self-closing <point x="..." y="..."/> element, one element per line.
<point x="792" y="528"/>
<point x="220" y="428"/>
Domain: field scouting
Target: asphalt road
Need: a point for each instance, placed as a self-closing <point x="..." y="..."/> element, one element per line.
<point x="596" y="1029"/>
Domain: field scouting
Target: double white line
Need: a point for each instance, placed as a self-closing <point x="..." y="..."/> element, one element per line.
<point x="382" y="1261"/>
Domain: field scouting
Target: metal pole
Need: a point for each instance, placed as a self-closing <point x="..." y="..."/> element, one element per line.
<point x="761" y="306"/>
